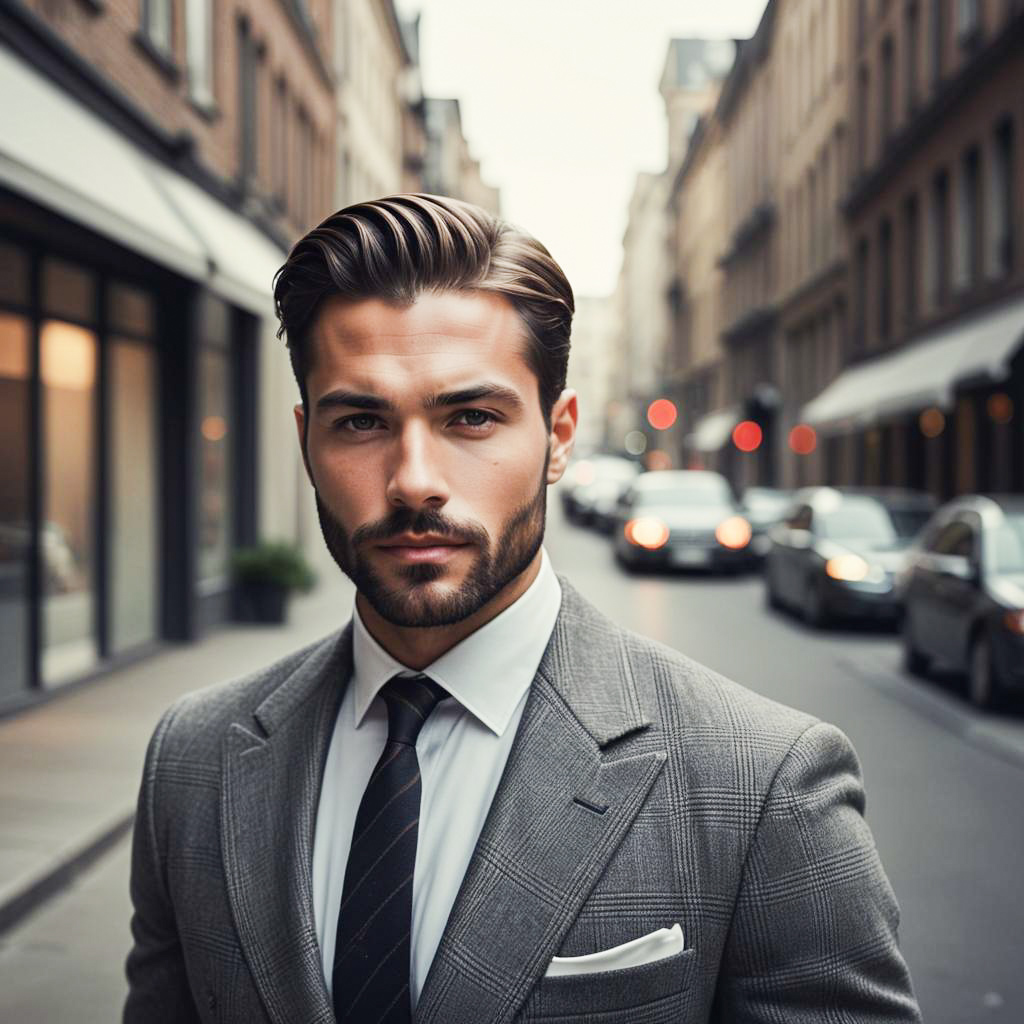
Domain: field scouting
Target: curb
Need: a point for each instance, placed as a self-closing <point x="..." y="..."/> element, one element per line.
<point x="24" y="895"/>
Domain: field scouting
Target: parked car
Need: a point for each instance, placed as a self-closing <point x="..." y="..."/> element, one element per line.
<point x="684" y="518"/>
<point x="763" y="508"/>
<point x="595" y="485"/>
<point x="837" y="552"/>
<point x="963" y="595"/>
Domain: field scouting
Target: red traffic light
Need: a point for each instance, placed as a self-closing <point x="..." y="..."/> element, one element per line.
<point x="661" y="414"/>
<point x="747" y="436"/>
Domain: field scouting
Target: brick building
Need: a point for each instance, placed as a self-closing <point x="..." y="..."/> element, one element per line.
<point x="933" y="393"/>
<point x="156" y="159"/>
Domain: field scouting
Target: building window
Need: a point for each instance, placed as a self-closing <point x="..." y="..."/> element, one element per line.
<point x="968" y="21"/>
<point x="199" y="56"/>
<point x="937" y="40"/>
<point x="1000" y="232"/>
<point x="279" y="128"/>
<point x="863" y="117"/>
<point x="157" y="24"/>
<point x="885" y="98"/>
<point x="911" y="250"/>
<point x="860" y="313"/>
<point x="247" y="101"/>
<point x="938" y="242"/>
<point x="968" y="228"/>
<point x="885" y="281"/>
<point x="912" y="43"/>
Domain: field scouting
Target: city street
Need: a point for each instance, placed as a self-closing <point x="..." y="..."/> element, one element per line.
<point x="944" y="790"/>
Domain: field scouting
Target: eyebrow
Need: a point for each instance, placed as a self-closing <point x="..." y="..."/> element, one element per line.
<point x="443" y="399"/>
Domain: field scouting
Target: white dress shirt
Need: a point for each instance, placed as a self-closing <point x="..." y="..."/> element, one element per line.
<point x="462" y="749"/>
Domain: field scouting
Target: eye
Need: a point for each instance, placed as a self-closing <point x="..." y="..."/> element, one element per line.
<point x="361" y="423"/>
<point x="475" y="419"/>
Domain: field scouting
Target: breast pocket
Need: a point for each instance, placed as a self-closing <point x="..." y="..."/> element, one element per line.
<point x="654" y="993"/>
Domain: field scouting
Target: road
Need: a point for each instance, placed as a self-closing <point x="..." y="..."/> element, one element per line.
<point x="945" y="791"/>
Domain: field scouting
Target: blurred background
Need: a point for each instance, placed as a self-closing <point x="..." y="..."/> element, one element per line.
<point x="796" y="234"/>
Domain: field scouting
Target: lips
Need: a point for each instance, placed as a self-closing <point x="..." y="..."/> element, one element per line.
<point x="421" y="548"/>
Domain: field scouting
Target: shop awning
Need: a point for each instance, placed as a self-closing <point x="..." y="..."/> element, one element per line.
<point x="66" y="158"/>
<point x="712" y="431"/>
<point x="925" y="373"/>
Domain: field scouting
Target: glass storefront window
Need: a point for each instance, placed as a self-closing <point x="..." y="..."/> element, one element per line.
<point x="133" y="517"/>
<point x="15" y="481"/>
<point x="68" y="362"/>
<point x="13" y="275"/>
<point x="130" y="310"/>
<point x="68" y="291"/>
<point x="214" y="467"/>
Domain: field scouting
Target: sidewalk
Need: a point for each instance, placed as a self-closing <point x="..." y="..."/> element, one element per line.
<point x="70" y="769"/>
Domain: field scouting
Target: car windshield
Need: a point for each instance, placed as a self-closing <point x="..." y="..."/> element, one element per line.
<point x="867" y="519"/>
<point x="1004" y="545"/>
<point x="766" y="501"/>
<point x="701" y="491"/>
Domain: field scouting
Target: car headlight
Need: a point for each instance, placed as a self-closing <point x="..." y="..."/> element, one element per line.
<point x="733" y="533"/>
<point x="1014" y="621"/>
<point x="647" y="532"/>
<point x="847" y="568"/>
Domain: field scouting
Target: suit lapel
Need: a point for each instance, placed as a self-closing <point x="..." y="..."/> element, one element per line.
<point x="560" y="811"/>
<point x="269" y="797"/>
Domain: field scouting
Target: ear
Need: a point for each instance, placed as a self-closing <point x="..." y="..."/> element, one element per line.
<point x="563" y="434"/>
<point x="300" y="423"/>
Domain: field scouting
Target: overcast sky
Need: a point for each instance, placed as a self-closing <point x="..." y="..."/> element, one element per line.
<point x="560" y="102"/>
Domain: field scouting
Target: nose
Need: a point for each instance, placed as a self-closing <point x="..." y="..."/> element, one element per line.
<point x="416" y="478"/>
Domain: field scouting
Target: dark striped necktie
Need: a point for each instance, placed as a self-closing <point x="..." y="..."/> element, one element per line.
<point x="373" y="951"/>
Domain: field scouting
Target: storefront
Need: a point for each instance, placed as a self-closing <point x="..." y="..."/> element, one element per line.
<point x="135" y="311"/>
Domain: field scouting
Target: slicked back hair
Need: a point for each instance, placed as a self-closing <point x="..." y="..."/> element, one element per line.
<point x="396" y="248"/>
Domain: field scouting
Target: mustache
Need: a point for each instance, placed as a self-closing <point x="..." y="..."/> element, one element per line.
<point x="427" y="520"/>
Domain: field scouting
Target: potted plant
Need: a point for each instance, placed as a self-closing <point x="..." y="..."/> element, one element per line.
<point x="265" y="574"/>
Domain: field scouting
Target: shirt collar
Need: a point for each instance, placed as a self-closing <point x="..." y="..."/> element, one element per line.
<point x="489" y="671"/>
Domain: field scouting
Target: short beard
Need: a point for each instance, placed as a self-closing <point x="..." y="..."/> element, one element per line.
<point x="413" y="605"/>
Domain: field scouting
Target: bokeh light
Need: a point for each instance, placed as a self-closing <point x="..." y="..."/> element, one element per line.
<point x="661" y="414"/>
<point x="658" y="460"/>
<point x="647" y="532"/>
<point x="636" y="442"/>
<point x="932" y="422"/>
<point x="802" y="439"/>
<point x="747" y="436"/>
<point x="999" y="407"/>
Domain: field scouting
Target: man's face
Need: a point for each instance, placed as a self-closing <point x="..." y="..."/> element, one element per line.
<point x="428" y="451"/>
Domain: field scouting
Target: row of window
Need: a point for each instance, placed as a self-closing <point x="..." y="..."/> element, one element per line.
<point x="885" y="106"/>
<point x="968" y="216"/>
<point x="295" y="172"/>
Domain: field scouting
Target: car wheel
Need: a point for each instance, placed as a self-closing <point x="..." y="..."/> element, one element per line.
<point x="914" y="661"/>
<point x="813" y="607"/>
<point x="982" y="684"/>
<point x="771" y="595"/>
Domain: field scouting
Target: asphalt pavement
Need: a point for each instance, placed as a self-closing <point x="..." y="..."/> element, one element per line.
<point x="945" y="787"/>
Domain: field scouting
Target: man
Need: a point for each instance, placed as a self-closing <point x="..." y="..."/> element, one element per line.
<point x="481" y="800"/>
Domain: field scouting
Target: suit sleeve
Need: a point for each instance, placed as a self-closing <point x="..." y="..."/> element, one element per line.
<point x="158" y="989"/>
<point x="814" y="935"/>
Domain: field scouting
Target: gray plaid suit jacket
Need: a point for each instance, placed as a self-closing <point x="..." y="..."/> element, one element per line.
<point x="641" y="790"/>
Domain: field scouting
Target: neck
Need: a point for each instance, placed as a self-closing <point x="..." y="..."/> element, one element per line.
<point x="419" y="646"/>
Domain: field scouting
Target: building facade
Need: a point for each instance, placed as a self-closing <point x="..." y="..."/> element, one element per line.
<point x="932" y="393"/>
<point x="146" y="399"/>
<point x="449" y="169"/>
<point x="370" y="62"/>
<point x="812" y="52"/>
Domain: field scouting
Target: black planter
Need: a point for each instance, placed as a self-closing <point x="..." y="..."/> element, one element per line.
<point x="262" y="601"/>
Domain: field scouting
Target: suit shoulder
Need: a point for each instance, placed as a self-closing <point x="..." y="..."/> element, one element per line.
<point x="694" y="703"/>
<point x="206" y="712"/>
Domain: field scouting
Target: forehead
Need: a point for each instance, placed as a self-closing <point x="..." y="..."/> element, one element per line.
<point x="441" y="339"/>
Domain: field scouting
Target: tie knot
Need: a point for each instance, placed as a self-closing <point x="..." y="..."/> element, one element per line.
<point x="410" y="699"/>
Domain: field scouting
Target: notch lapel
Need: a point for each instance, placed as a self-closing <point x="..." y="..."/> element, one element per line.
<point x="269" y="797"/>
<point x="561" y="809"/>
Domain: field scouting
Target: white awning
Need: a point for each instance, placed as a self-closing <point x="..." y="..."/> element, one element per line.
<point x="925" y="373"/>
<point x="712" y="431"/>
<point x="66" y="158"/>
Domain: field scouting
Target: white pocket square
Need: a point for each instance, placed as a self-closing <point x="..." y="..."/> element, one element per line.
<point x="635" y="953"/>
